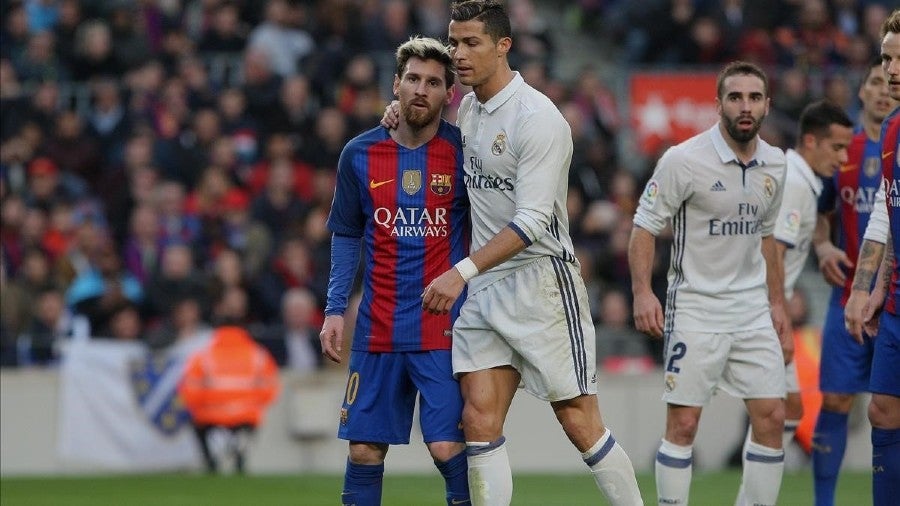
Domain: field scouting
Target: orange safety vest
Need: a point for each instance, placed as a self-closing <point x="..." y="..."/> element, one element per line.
<point x="230" y="382"/>
<point x="807" y="352"/>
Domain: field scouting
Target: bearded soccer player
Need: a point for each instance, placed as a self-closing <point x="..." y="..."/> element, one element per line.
<point x="724" y="323"/>
<point x="845" y="365"/>
<point x="401" y="192"/>
<point x="863" y="314"/>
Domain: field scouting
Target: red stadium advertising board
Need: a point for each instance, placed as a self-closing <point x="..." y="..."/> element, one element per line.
<point x="667" y="108"/>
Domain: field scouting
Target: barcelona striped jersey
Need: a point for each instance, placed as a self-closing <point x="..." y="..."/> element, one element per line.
<point x="411" y="209"/>
<point x="851" y="191"/>
<point x="890" y="135"/>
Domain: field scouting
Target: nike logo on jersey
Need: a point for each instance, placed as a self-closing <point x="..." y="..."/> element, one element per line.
<point x="373" y="184"/>
<point x="718" y="187"/>
<point x="847" y="167"/>
<point x="885" y="155"/>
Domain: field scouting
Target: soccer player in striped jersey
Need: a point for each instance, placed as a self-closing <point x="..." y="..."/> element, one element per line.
<point x="844" y="364"/>
<point x="881" y="245"/>
<point x="526" y="319"/>
<point x="724" y="323"/>
<point x="825" y="134"/>
<point x="400" y="192"/>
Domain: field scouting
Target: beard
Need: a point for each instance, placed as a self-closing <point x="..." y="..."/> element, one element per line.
<point x="418" y="118"/>
<point x="731" y="126"/>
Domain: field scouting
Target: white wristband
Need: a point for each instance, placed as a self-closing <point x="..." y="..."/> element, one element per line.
<point x="467" y="269"/>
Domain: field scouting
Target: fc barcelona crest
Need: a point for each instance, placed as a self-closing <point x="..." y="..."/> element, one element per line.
<point x="499" y="145"/>
<point x="441" y="184"/>
<point x="412" y="181"/>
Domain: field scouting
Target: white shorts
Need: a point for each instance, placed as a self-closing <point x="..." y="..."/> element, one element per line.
<point x="791" y="381"/>
<point x="537" y="320"/>
<point x="747" y="365"/>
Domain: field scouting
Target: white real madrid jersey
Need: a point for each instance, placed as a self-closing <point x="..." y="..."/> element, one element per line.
<point x="719" y="210"/>
<point x="517" y="148"/>
<point x="797" y="216"/>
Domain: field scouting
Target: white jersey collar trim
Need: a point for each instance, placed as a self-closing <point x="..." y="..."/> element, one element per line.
<point x="505" y="94"/>
<point x="726" y="154"/>
<point x="794" y="158"/>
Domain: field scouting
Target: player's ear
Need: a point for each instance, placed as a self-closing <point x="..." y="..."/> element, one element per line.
<point x="449" y="97"/>
<point x="396" y="86"/>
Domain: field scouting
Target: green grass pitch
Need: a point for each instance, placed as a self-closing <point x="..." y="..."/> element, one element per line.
<point x="711" y="489"/>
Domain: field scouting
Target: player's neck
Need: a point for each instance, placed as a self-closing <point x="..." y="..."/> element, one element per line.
<point x="486" y="90"/>
<point x="411" y="137"/>
<point x="871" y="127"/>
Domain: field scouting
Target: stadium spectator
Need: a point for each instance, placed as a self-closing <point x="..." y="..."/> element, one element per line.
<point x="99" y="290"/>
<point x="227" y="388"/>
<point x="52" y="325"/>
<point x="281" y="39"/>
<point x="176" y="278"/>
<point x="294" y="341"/>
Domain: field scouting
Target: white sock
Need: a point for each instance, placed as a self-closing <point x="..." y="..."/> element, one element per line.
<point x="490" y="477"/>
<point x="674" y="465"/>
<point x="790" y="428"/>
<point x="763" y="468"/>
<point x="613" y="471"/>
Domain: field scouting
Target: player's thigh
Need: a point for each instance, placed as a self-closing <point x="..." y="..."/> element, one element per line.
<point x="477" y="346"/>
<point x="693" y="363"/>
<point x="755" y="368"/>
<point x="844" y="364"/>
<point x="544" y="316"/>
<point x="440" y="401"/>
<point x="379" y="399"/>
<point x="886" y="362"/>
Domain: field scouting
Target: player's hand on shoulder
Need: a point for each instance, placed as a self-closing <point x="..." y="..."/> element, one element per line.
<point x="832" y="262"/>
<point x="332" y="337"/>
<point x="391" y="118"/>
<point x="648" y="315"/>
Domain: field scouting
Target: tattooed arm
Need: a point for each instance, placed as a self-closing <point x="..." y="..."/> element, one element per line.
<point x="870" y="257"/>
<point x="872" y="311"/>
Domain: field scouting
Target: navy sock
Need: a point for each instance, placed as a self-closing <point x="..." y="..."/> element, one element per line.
<point x="456" y="476"/>
<point x="829" y="443"/>
<point x="885" y="466"/>
<point x="362" y="484"/>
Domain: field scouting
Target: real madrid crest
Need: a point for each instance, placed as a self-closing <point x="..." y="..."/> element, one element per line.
<point x="499" y="145"/>
<point x="769" y="187"/>
<point x="412" y="181"/>
<point x="670" y="382"/>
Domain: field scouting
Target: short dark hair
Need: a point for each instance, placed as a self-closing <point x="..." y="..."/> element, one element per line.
<point x="426" y="48"/>
<point x="740" y="67"/>
<point x="817" y="118"/>
<point x="492" y="14"/>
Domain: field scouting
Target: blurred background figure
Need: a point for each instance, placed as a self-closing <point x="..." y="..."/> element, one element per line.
<point x="294" y="343"/>
<point x="227" y="388"/>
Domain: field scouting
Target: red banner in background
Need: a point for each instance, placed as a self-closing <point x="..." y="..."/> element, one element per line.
<point x="669" y="108"/>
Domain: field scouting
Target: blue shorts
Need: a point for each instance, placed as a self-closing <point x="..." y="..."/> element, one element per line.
<point x="381" y="397"/>
<point x="844" y="364"/>
<point x="885" y="370"/>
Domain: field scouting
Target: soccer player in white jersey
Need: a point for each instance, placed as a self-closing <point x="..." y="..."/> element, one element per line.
<point x="724" y="323"/>
<point x="526" y="318"/>
<point x="825" y="134"/>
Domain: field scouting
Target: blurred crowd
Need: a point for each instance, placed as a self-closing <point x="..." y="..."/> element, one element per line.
<point x="168" y="165"/>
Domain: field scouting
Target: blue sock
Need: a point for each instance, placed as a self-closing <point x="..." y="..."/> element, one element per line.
<point x="885" y="466"/>
<point x="456" y="476"/>
<point x="362" y="484"/>
<point x="829" y="443"/>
